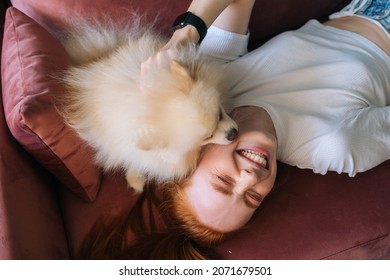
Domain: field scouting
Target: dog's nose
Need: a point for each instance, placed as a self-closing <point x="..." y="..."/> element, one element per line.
<point x="232" y="134"/>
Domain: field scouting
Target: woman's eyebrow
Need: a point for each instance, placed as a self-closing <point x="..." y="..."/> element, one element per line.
<point x="222" y="189"/>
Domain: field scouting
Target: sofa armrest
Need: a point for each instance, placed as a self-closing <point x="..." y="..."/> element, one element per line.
<point x="31" y="224"/>
<point x="3" y="8"/>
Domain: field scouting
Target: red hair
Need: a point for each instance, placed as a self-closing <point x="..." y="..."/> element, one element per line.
<point x="184" y="237"/>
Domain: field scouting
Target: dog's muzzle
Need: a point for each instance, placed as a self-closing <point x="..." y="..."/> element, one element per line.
<point x="232" y="134"/>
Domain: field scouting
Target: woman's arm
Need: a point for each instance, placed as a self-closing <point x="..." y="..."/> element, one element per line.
<point x="230" y="15"/>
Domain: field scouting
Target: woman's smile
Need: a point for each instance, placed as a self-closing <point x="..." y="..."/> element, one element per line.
<point x="259" y="159"/>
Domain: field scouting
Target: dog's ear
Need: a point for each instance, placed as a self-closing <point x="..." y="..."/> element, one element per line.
<point x="186" y="81"/>
<point x="179" y="70"/>
<point x="153" y="81"/>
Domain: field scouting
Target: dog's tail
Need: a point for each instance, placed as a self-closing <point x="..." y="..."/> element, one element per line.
<point x="88" y="40"/>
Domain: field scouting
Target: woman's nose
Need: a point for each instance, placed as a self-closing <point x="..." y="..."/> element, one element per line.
<point x="246" y="180"/>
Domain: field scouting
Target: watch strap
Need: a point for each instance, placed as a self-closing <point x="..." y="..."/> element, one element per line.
<point x="189" y="18"/>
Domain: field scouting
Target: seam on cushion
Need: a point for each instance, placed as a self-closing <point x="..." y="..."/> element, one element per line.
<point x="357" y="246"/>
<point x="17" y="37"/>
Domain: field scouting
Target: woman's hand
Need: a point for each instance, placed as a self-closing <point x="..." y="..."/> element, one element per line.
<point x="163" y="58"/>
<point x="232" y="15"/>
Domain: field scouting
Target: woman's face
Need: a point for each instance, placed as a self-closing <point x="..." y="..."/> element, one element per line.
<point x="232" y="180"/>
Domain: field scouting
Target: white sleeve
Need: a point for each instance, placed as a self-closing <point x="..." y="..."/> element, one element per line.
<point x="360" y="143"/>
<point x="224" y="46"/>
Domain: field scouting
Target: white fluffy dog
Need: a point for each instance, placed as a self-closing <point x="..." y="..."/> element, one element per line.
<point x="151" y="128"/>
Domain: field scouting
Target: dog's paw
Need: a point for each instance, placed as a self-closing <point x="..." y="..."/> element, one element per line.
<point x="135" y="180"/>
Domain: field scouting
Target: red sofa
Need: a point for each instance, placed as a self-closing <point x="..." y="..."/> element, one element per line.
<point x="51" y="193"/>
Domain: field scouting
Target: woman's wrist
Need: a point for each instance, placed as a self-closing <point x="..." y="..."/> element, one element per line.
<point x="186" y="35"/>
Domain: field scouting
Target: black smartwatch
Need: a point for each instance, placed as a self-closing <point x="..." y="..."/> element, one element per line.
<point x="189" y="18"/>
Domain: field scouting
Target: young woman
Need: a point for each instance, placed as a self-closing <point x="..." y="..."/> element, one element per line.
<point x="317" y="97"/>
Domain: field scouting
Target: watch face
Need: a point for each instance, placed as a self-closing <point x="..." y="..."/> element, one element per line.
<point x="180" y="22"/>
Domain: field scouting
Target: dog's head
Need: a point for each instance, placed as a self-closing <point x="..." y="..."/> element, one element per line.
<point x="188" y="104"/>
<point x="185" y="111"/>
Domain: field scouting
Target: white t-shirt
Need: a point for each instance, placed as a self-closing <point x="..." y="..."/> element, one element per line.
<point x="327" y="91"/>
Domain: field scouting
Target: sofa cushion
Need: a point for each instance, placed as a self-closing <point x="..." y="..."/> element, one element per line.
<point x="31" y="58"/>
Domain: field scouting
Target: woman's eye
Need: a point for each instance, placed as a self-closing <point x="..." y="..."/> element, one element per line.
<point x="225" y="180"/>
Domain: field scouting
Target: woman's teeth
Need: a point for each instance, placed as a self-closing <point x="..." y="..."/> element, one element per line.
<point x="255" y="157"/>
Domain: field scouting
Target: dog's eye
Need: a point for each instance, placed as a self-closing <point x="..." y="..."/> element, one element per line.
<point x="220" y="115"/>
<point x="208" y="138"/>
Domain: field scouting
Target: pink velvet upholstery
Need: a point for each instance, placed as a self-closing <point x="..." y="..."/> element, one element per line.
<point x="31" y="59"/>
<point x="307" y="216"/>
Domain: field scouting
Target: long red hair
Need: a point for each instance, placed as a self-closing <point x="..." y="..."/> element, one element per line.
<point x="183" y="238"/>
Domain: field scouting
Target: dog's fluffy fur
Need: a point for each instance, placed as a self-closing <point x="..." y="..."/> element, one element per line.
<point x="150" y="132"/>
